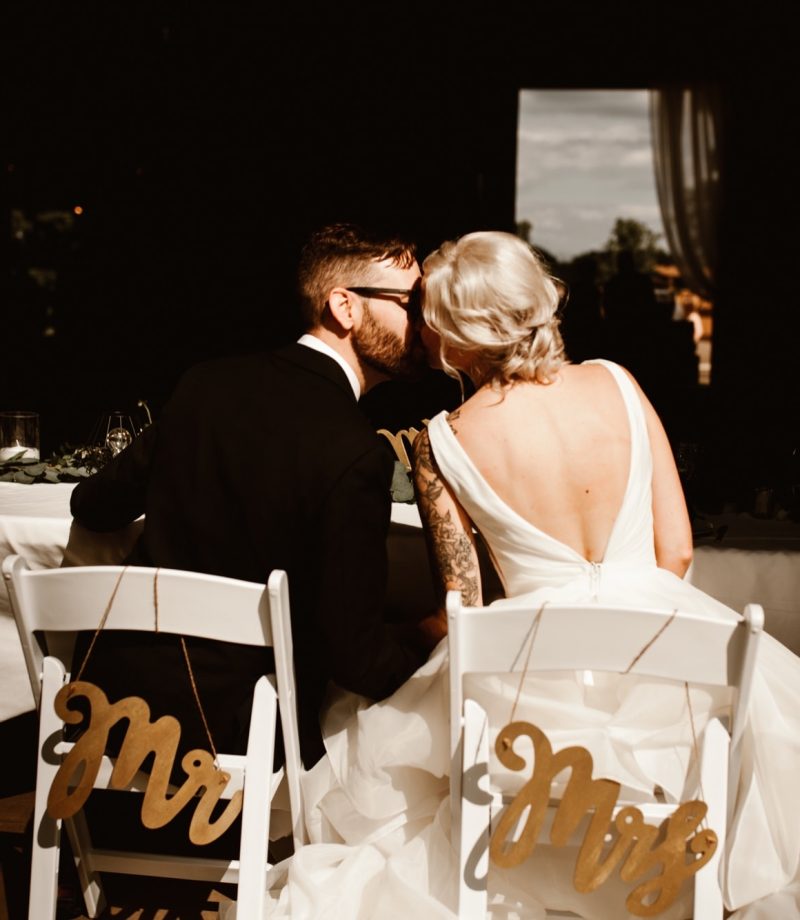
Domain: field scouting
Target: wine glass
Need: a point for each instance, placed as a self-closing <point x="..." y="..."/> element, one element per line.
<point x="118" y="439"/>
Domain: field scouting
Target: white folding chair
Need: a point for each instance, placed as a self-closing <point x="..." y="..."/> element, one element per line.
<point x="693" y="648"/>
<point x="51" y="606"/>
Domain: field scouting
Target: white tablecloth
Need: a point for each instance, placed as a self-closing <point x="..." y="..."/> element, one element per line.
<point x="770" y="577"/>
<point x="35" y="522"/>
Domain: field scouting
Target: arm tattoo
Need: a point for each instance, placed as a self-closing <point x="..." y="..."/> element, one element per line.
<point x="451" y="550"/>
<point x="453" y="417"/>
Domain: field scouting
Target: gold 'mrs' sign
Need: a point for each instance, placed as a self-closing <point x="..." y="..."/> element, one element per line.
<point x="635" y="840"/>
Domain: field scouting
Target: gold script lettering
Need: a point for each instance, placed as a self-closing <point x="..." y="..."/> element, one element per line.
<point x="142" y="738"/>
<point x="635" y="841"/>
<point x="398" y="442"/>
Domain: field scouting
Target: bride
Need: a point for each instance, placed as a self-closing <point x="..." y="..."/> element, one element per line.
<point x="567" y="474"/>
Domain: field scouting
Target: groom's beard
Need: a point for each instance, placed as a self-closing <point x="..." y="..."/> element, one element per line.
<point x="386" y="352"/>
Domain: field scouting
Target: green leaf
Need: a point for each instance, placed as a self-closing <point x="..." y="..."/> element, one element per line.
<point x="68" y="465"/>
<point x="15" y="458"/>
<point x="402" y="488"/>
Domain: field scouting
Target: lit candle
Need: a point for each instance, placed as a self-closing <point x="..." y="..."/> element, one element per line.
<point x="29" y="454"/>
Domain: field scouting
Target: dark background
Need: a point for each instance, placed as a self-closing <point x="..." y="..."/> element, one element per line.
<point x="204" y="141"/>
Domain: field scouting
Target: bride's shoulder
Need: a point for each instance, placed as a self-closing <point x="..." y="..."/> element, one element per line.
<point x="588" y="372"/>
<point x="599" y="366"/>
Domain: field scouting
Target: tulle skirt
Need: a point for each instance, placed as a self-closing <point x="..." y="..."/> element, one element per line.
<point x="377" y="807"/>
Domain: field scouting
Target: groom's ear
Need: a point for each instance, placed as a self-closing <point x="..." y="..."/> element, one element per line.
<point x="343" y="307"/>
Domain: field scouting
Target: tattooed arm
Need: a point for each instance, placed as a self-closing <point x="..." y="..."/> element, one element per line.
<point x="448" y="529"/>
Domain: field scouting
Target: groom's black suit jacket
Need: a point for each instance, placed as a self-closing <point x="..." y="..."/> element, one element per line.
<point x="257" y="463"/>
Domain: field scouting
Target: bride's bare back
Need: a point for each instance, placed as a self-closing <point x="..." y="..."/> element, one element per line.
<point x="552" y="440"/>
<point x="558" y="455"/>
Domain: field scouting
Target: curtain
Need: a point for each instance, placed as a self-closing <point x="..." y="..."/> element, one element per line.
<point x="686" y="146"/>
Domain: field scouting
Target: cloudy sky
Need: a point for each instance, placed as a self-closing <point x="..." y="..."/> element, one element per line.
<point x="584" y="158"/>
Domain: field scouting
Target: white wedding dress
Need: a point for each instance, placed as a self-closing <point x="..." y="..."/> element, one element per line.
<point x="377" y="806"/>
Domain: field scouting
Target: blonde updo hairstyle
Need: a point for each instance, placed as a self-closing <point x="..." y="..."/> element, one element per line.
<point x="489" y="297"/>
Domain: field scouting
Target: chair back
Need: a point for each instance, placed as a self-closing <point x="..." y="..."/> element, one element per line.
<point x="691" y="647"/>
<point x="676" y="645"/>
<point x="51" y="606"/>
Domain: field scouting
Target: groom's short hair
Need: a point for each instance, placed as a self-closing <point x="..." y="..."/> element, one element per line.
<point x="344" y="254"/>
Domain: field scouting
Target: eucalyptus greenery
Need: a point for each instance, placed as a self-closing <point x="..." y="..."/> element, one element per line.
<point x="402" y="487"/>
<point x="70" y="464"/>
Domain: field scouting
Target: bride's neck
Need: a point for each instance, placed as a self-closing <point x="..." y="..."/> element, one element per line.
<point x="487" y="382"/>
<point x="480" y="376"/>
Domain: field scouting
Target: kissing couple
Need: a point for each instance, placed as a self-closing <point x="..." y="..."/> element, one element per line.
<point x="568" y="476"/>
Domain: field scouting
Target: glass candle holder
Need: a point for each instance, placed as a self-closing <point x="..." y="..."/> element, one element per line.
<point x="19" y="436"/>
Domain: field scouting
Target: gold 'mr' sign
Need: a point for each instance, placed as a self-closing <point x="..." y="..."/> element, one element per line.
<point x="402" y="441"/>
<point x="142" y="738"/>
<point x="635" y="839"/>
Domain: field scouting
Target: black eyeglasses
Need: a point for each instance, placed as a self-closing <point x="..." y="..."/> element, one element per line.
<point x="413" y="294"/>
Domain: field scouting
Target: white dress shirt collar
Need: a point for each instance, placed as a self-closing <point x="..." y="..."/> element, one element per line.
<point x="311" y="341"/>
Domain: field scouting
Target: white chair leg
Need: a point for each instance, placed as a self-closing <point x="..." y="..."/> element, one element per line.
<point x="251" y="894"/>
<point x="278" y="587"/>
<point x="90" y="881"/>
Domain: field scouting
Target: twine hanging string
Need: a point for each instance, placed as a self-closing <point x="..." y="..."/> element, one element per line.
<point x="531" y="634"/>
<point x="192" y="680"/>
<point x="529" y="638"/>
<point x="695" y="750"/>
<point x="197" y="700"/>
<point x="156" y="628"/>
<point x="647" y="645"/>
<point x="102" y="624"/>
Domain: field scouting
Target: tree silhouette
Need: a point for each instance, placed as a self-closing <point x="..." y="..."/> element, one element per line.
<point x="629" y="235"/>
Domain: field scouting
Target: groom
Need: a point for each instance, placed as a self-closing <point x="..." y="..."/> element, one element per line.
<point x="266" y="462"/>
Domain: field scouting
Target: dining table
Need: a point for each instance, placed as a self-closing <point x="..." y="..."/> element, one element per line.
<point x="36" y="523"/>
<point x="747" y="560"/>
